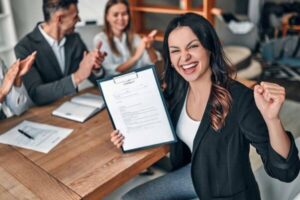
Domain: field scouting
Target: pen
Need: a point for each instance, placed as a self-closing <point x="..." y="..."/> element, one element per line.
<point x="25" y="134"/>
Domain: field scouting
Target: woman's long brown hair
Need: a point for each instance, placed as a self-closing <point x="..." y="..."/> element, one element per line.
<point x="221" y="103"/>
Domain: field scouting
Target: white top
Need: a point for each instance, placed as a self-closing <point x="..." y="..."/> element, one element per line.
<point x="112" y="61"/>
<point x="17" y="101"/>
<point x="57" y="47"/>
<point x="187" y="128"/>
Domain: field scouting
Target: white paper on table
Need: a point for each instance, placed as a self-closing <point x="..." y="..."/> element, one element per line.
<point x="45" y="136"/>
<point x="137" y="109"/>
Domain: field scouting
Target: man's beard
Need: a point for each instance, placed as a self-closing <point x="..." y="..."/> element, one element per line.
<point x="70" y="31"/>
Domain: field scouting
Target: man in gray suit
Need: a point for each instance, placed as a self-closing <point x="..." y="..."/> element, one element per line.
<point x="62" y="60"/>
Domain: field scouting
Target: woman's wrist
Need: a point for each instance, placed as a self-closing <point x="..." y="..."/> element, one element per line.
<point x="149" y="48"/>
<point x="76" y="77"/>
<point x="272" y="121"/>
<point x="152" y="54"/>
<point x="2" y="95"/>
<point x="18" y="82"/>
<point x="135" y="58"/>
<point x="274" y="125"/>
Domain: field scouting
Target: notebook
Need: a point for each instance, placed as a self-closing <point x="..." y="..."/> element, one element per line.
<point x="80" y="108"/>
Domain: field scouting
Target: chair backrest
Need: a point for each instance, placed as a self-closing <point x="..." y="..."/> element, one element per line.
<point x="279" y="48"/>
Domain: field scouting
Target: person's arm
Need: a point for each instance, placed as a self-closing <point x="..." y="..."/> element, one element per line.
<point x="25" y="66"/>
<point x="269" y="98"/>
<point x="133" y="59"/>
<point x="149" y="39"/>
<point x="16" y="98"/>
<point x="117" y="138"/>
<point x="256" y="131"/>
<point x="2" y="95"/>
<point x="113" y="64"/>
<point x="150" y="56"/>
<point x="40" y="92"/>
<point x="91" y="61"/>
<point x="90" y="66"/>
<point x="144" y="47"/>
<point x="110" y="63"/>
<point x="8" y="80"/>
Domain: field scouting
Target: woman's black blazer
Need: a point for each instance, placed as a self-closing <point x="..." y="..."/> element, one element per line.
<point x="220" y="161"/>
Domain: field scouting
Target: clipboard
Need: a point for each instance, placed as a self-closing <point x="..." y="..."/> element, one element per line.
<point x="137" y="109"/>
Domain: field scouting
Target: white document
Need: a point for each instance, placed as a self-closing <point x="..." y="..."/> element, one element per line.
<point x="137" y="109"/>
<point x="38" y="137"/>
<point x="80" y="108"/>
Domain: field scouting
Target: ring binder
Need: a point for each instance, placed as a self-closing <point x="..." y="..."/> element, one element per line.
<point x="125" y="78"/>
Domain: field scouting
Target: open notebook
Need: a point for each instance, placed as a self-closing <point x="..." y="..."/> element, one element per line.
<point x="80" y="108"/>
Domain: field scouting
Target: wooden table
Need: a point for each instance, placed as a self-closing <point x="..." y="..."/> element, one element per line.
<point x="85" y="165"/>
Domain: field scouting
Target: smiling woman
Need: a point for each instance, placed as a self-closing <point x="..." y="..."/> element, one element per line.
<point x="191" y="61"/>
<point x="187" y="54"/>
<point x="216" y="119"/>
<point x="125" y="49"/>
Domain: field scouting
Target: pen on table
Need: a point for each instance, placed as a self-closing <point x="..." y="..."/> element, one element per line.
<point x="25" y="134"/>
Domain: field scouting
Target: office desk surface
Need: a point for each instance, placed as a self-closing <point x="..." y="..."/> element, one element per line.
<point x="22" y="179"/>
<point x="84" y="165"/>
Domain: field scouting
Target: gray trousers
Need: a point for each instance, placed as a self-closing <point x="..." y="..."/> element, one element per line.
<point x="172" y="186"/>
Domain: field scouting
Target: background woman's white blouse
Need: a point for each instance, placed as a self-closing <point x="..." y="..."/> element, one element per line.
<point x="112" y="61"/>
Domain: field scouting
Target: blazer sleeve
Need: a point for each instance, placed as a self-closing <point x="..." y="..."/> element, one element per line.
<point x="42" y="93"/>
<point x="255" y="131"/>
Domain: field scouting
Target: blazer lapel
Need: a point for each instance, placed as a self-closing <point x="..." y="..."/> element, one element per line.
<point x="202" y="130"/>
<point x="177" y="110"/>
<point x="204" y="125"/>
<point x="68" y="54"/>
<point x="45" y="50"/>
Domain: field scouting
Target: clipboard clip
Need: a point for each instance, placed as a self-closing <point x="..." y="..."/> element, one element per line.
<point x="126" y="78"/>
